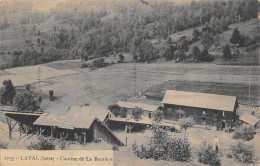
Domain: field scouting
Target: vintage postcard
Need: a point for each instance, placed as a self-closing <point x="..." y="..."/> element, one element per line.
<point x="129" y="82"/>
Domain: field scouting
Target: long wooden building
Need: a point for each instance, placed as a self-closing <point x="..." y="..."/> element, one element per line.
<point x="205" y="108"/>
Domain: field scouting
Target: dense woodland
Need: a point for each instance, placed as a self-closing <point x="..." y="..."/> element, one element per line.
<point x="130" y="27"/>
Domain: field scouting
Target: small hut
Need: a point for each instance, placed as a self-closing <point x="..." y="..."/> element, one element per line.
<point x="250" y="119"/>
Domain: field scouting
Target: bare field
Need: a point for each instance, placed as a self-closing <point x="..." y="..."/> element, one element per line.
<point x="106" y="86"/>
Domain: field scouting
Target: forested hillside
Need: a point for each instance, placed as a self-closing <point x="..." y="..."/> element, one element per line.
<point x="89" y="29"/>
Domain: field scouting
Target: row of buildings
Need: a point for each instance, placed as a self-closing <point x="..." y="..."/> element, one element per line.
<point x="88" y="123"/>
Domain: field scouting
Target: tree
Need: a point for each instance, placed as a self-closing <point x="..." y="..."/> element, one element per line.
<point x="25" y="101"/>
<point x="207" y="39"/>
<point x="7" y="93"/>
<point x="243" y="153"/>
<point x="51" y="93"/>
<point x="252" y="8"/>
<point x="195" y="34"/>
<point x="236" y="37"/>
<point x="118" y="111"/>
<point x="205" y="56"/>
<point x="158" y="116"/>
<point x="121" y="57"/>
<point x="236" y="53"/>
<point x="137" y="113"/>
<point x="239" y="12"/>
<point x="209" y="156"/>
<point x="195" y="53"/>
<point x="183" y="43"/>
<point x="227" y="52"/>
<point x="28" y="87"/>
<point x="244" y="133"/>
<point x="168" y="52"/>
<point x="216" y="40"/>
<point x="186" y="122"/>
<point x="161" y="146"/>
<point x="179" y="55"/>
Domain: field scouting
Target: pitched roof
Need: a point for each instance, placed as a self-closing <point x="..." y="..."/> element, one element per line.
<point x="200" y="100"/>
<point x="252" y="120"/>
<point x="146" y="107"/>
<point x="242" y="109"/>
<point x="76" y="117"/>
<point x="53" y="120"/>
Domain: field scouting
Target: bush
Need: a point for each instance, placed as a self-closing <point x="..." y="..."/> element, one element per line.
<point x="158" y="116"/>
<point x="252" y="47"/>
<point x="3" y="145"/>
<point x="227" y="52"/>
<point x="186" y="122"/>
<point x="236" y="53"/>
<point x="208" y="156"/>
<point x="137" y="113"/>
<point x="195" y="53"/>
<point x="98" y="62"/>
<point x="162" y="147"/>
<point x="25" y="101"/>
<point x="122" y="58"/>
<point x="229" y="155"/>
<point x="43" y="144"/>
<point x="17" y="52"/>
<point x="84" y="65"/>
<point x="117" y="111"/>
<point x="90" y="57"/>
<point x="244" y="133"/>
<point x="195" y="35"/>
<point x="205" y="56"/>
<point x="51" y="95"/>
<point x="243" y="153"/>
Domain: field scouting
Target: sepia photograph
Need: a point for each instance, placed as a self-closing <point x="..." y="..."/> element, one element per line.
<point x="129" y="82"/>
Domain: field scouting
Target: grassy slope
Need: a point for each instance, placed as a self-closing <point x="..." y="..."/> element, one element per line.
<point x="250" y="28"/>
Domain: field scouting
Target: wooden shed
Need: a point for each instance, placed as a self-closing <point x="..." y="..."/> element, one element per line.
<point x="147" y="108"/>
<point x="84" y="124"/>
<point x="210" y="109"/>
<point x="249" y="119"/>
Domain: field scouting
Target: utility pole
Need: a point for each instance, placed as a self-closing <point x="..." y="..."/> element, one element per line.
<point x="38" y="75"/>
<point x="249" y="88"/>
<point x="134" y="78"/>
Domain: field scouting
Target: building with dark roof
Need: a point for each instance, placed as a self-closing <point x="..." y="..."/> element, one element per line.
<point x="210" y="109"/>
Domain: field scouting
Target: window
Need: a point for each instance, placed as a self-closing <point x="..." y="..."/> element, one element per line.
<point x="150" y="115"/>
